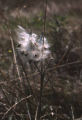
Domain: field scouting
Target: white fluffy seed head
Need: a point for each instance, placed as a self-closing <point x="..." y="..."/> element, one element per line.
<point x="32" y="45"/>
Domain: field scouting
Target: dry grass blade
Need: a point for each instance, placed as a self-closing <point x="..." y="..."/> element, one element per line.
<point x="15" y="60"/>
<point x="72" y="112"/>
<point x="36" y="112"/>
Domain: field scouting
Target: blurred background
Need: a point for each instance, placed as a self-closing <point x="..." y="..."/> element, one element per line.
<point x="62" y="99"/>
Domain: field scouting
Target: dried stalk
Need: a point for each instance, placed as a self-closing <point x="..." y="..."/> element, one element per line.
<point x="15" y="60"/>
<point x="42" y="73"/>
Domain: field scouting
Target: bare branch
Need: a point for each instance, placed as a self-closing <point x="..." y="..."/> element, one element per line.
<point x="13" y="107"/>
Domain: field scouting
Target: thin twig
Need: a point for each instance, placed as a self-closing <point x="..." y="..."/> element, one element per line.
<point x="48" y="114"/>
<point x="29" y="114"/>
<point x="53" y="68"/>
<point x="8" y="100"/>
<point x="12" y="107"/>
<point x="64" y="65"/>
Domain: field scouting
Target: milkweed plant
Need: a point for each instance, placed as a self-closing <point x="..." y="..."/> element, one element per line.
<point x="33" y="46"/>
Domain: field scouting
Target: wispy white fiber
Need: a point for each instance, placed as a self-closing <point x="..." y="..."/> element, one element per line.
<point x="32" y="45"/>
